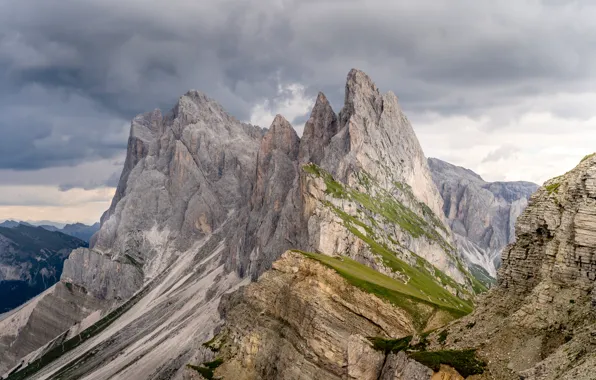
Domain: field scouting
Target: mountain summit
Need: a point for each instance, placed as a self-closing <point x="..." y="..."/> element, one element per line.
<point x="207" y="204"/>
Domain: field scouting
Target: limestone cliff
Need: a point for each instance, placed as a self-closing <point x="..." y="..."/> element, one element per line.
<point x="175" y="222"/>
<point x="481" y="214"/>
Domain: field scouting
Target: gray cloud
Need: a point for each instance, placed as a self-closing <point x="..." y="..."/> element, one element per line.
<point x="75" y="72"/>
<point x="503" y="152"/>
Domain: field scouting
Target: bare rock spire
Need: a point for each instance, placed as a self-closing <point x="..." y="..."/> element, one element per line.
<point x="318" y="131"/>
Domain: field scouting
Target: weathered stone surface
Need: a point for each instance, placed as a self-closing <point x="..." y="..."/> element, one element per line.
<point x="275" y="204"/>
<point x="100" y="276"/>
<point x="301" y="320"/>
<point x="184" y="172"/>
<point x="318" y="131"/>
<point x="400" y="367"/>
<point x="481" y="214"/>
<point x="446" y="373"/>
<point x="539" y="322"/>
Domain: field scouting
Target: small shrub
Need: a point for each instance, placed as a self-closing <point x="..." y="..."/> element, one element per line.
<point x="464" y="362"/>
<point x="390" y="345"/>
<point x="207" y="369"/>
<point x="68" y="286"/>
<point x="443" y="336"/>
<point x="422" y="343"/>
<point x="553" y="188"/>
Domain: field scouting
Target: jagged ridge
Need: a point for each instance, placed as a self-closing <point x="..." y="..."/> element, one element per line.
<point x="205" y="203"/>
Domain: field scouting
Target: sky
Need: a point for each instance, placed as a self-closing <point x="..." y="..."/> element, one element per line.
<point x="504" y="88"/>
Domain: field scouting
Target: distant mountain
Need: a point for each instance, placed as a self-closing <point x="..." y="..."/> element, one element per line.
<point x="78" y="230"/>
<point x="81" y="231"/>
<point x="481" y="214"/>
<point x="11" y="223"/>
<point x="31" y="260"/>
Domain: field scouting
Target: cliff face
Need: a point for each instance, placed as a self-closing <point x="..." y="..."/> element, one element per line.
<point x="540" y="322"/>
<point x="178" y="217"/>
<point x="481" y="214"/>
<point x="371" y="196"/>
<point x="302" y="320"/>
<point x="206" y="203"/>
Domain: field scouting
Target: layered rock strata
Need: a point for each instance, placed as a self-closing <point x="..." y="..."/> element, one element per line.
<point x="540" y="322"/>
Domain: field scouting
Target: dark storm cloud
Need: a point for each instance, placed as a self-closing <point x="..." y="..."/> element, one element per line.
<point x="75" y="71"/>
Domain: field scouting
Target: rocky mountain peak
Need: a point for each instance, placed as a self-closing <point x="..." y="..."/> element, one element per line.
<point x="361" y="97"/>
<point x="450" y="170"/>
<point x="481" y="214"/>
<point x="281" y="135"/>
<point x="206" y="203"/>
<point x="318" y="131"/>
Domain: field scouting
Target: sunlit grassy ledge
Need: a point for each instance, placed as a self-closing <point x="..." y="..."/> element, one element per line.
<point x="376" y="205"/>
<point x="408" y="296"/>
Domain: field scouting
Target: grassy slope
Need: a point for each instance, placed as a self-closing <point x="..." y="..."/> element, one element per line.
<point x="419" y="289"/>
<point x="385" y="207"/>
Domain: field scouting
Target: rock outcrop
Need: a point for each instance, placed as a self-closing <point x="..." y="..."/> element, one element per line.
<point x="540" y="321"/>
<point x="481" y="214"/>
<point x="373" y="177"/>
<point x="206" y="203"/>
<point x="302" y="320"/>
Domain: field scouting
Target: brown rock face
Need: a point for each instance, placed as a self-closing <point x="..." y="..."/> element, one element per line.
<point x="446" y="373"/>
<point x="301" y="320"/>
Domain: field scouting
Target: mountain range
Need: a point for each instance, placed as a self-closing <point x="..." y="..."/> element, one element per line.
<point x="78" y="230"/>
<point x="236" y="252"/>
<point x="31" y="260"/>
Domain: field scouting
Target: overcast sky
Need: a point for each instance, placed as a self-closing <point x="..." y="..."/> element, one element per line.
<point x="504" y="88"/>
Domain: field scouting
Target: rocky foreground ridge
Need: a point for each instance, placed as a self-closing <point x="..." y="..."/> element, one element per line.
<point x="540" y="322"/>
<point x="205" y="204"/>
<point x="481" y="214"/>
